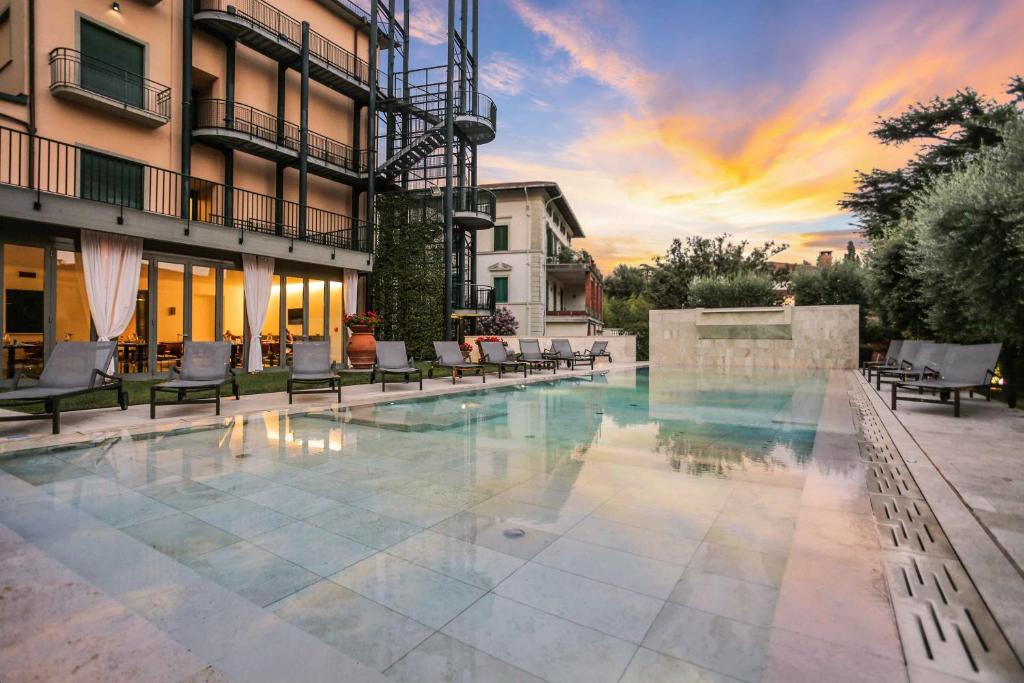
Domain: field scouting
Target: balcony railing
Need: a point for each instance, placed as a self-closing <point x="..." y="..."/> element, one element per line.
<point x="478" y="299"/>
<point x="70" y="69"/>
<point x="261" y="125"/>
<point x="476" y="199"/>
<point x="285" y="27"/>
<point x="50" y="167"/>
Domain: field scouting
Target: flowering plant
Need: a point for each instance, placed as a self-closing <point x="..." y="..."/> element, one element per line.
<point x="490" y="339"/>
<point x="369" y="319"/>
<point x="466" y="348"/>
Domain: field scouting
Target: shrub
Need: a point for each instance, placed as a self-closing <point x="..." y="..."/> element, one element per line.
<point x="732" y="291"/>
<point x="502" y="323"/>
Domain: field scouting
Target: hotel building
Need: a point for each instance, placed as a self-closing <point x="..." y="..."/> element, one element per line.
<point x="213" y="129"/>
<point x="529" y="260"/>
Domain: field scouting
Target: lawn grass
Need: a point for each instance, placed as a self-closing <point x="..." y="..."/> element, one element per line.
<point x="267" y="382"/>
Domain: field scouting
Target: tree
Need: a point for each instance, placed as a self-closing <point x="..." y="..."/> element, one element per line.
<point x="626" y="281"/>
<point x="630" y="315"/>
<point x="736" y="290"/>
<point x="951" y="129"/>
<point x="502" y="323"/>
<point x="669" y="282"/>
<point x="851" y="252"/>
<point x="968" y="229"/>
<point x="895" y="290"/>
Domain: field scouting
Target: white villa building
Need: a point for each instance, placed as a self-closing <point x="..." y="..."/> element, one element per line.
<point x="551" y="288"/>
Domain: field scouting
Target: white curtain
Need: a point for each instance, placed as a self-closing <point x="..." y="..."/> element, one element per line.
<point x="350" y="292"/>
<point x="259" y="277"/>
<point x="111" y="265"/>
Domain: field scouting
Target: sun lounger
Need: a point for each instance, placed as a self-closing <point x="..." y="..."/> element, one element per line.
<point x="496" y="354"/>
<point x="312" y="367"/>
<point x="73" y="369"/>
<point x="967" y="368"/>
<point x="530" y="353"/>
<point x="393" y="360"/>
<point x="449" y="356"/>
<point x="205" y="366"/>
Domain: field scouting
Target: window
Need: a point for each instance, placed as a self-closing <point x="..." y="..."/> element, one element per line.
<point x="108" y="179"/>
<point x="500" y="238"/>
<point x="6" y="49"/>
<point x="112" y="65"/>
<point x="501" y="290"/>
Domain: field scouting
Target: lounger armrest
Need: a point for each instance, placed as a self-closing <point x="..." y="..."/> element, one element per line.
<point x="107" y="378"/>
<point x="906" y="365"/>
<point x="19" y="374"/>
<point x="230" y="374"/>
<point x="172" y="371"/>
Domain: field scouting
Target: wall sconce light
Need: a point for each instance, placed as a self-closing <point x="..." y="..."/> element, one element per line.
<point x="116" y="6"/>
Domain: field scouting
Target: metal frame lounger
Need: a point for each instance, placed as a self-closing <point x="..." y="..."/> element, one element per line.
<point x="449" y="356"/>
<point x="888" y="360"/>
<point x="312" y="366"/>
<point x="599" y="349"/>
<point x="205" y="366"/>
<point x="561" y="350"/>
<point x="496" y="354"/>
<point x="967" y="368"/>
<point x="73" y="369"/>
<point x="927" y="363"/>
<point x="530" y="353"/>
<point x="393" y="360"/>
<point x="904" y="359"/>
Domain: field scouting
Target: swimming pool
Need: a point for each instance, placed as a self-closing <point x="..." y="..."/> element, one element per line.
<point x="564" y="530"/>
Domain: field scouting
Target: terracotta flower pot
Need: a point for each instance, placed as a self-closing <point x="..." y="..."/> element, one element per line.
<point x="362" y="347"/>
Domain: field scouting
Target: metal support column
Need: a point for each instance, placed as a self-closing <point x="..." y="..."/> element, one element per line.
<point x="282" y="83"/>
<point x="229" y="120"/>
<point x="186" y="106"/>
<point x="448" y="174"/>
<point x="304" y="132"/>
<point x="371" y="137"/>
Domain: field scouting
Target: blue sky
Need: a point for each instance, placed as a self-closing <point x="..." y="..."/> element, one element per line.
<point x="663" y="119"/>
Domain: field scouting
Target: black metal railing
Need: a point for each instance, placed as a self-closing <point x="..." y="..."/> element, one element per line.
<point x="283" y="26"/>
<point x="51" y="167"/>
<point x="475" y="199"/>
<point x="255" y="123"/>
<point x="70" y="68"/>
<point x="470" y="297"/>
<point x="477" y="104"/>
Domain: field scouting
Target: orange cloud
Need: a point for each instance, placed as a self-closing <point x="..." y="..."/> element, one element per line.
<point x="731" y="161"/>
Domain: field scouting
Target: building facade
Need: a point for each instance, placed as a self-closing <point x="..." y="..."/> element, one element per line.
<point x="209" y="129"/>
<point x="529" y="259"/>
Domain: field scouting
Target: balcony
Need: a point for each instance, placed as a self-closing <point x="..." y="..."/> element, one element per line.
<point x="50" y="167"/>
<point x="79" y="78"/>
<point x="473" y="301"/>
<point x="474" y="208"/>
<point x="269" y="31"/>
<point x="476" y="117"/>
<point x="238" y="126"/>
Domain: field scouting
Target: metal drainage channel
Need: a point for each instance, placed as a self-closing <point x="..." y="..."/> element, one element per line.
<point x="943" y="622"/>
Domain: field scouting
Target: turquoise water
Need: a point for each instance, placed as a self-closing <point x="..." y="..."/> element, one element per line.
<point x="538" y="526"/>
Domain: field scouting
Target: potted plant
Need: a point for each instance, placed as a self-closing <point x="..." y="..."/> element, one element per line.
<point x="362" y="345"/>
<point x="467" y="350"/>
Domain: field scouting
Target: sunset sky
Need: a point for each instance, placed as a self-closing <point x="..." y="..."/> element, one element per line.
<point x="665" y="119"/>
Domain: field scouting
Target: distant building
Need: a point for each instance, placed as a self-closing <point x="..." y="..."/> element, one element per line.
<point x="825" y="258"/>
<point x="528" y="256"/>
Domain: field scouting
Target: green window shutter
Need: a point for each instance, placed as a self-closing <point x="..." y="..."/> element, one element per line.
<point x="104" y="178"/>
<point x="500" y="238"/>
<point x="112" y="65"/>
<point x="501" y="290"/>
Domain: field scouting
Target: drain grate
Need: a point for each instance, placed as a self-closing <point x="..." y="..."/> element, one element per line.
<point x="908" y="524"/>
<point x="943" y="621"/>
<point x="893" y="480"/>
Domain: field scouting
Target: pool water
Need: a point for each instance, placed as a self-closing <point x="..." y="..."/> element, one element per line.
<point x="563" y="530"/>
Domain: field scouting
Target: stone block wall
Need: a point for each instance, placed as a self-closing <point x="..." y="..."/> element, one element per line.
<point x="785" y="337"/>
